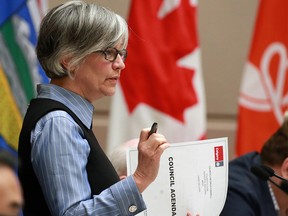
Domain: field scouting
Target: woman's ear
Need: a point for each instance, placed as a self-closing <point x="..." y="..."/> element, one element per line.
<point x="65" y="62"/>
<point x="66" y="65"/>
<point x="284" y="168"/>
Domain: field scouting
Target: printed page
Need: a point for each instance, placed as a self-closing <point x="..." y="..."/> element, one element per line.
<point x="193" y="176"/>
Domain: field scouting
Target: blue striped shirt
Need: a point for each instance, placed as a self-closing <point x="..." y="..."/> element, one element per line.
<point x="59" y="157"/>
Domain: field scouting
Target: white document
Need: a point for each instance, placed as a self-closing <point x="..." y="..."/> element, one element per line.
<point x="192" y="176"/>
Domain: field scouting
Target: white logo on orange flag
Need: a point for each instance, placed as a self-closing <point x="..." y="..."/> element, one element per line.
<point x="264" y="91"/>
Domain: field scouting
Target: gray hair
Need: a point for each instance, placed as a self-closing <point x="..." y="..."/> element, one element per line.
<point x="76" y="29"/>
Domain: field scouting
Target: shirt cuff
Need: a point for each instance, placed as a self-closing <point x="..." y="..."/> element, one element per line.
<point x="128" y="197"/>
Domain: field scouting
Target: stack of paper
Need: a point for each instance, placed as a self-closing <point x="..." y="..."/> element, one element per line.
<point x="192" y="176"/>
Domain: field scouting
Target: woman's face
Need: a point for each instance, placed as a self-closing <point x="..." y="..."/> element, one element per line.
<point x="97" y="77"/>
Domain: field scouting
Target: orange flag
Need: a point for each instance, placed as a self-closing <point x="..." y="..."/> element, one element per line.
<point x="264" y="90"/>
<point x="162" y="80"/>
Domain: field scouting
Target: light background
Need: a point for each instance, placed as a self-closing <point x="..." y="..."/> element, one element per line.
<point x="225" y="30"/>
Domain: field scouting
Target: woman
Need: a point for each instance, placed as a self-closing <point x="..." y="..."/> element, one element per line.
<point x="81" y="47"/>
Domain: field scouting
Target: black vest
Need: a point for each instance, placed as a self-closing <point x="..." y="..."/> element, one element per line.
<point x="101" y="173"/>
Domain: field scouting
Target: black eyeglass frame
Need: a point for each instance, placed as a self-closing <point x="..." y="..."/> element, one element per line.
<point x="123" y="53"/>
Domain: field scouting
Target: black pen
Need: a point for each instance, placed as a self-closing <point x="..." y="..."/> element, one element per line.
<point x="153" y="129"/>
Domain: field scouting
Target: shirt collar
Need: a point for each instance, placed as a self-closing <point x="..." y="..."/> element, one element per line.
<point x="77" y="104"/>
<point x="273" y="198"/>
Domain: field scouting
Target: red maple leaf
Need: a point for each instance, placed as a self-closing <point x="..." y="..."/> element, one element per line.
<point x="155" y="45"/>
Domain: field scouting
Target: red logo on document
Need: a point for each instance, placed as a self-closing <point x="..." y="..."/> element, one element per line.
<point x="218" y="154"/>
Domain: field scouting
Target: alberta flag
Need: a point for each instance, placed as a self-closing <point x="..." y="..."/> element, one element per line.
<point x="162" y="81"/>
<point x="19" y="68"/>
<point x="264" y="89"/>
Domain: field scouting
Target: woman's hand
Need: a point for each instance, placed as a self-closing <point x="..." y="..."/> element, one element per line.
<point x="150" y="150"/>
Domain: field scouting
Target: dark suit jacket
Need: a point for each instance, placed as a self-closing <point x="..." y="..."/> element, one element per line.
<point x="247" y="194"/>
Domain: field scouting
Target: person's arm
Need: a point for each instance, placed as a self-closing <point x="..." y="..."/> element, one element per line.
<point x="59" y="157"/>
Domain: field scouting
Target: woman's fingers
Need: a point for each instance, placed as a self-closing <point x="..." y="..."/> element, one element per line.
<point x="150" y="149"/>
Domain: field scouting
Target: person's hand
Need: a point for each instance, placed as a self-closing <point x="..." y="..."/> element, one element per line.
<point x="149" y="154"/>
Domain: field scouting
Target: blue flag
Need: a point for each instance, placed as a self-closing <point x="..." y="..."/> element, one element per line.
<point x="20" y="70"/>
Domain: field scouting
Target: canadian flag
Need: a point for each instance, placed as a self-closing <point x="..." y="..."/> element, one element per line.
<point x="264" y="89"/>
<point x="162" y="81"/>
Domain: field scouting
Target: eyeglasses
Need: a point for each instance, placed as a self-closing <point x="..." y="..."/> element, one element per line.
<point x="112" y="53"/>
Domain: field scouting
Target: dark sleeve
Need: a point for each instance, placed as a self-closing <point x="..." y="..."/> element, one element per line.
<point x="239" y="203"/>
<point x="243" y="189"/>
